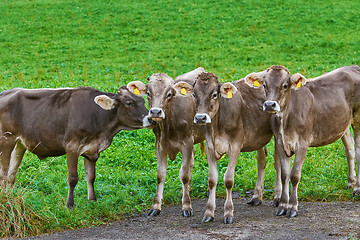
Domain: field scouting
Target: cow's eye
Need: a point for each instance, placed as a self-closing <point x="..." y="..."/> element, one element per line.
<point x="128" y="103"/>
<point x="285" y="86"/>
<point x="169" y="95"/>
<point x="214" y="95"/>
<point x="265" y="86"/>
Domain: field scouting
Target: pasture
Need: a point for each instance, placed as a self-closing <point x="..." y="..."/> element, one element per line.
<point x="106" y="44"/>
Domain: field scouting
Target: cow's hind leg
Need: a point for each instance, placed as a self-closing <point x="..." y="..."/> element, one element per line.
<point x="356" y="191"/>
<point x="349" y="148"/>
<point x="161" y="175"/>
<point x="73" y="178"/>
<point x="15" y="160"/>
<point x="185" y="177"/>
<point x="90" y="177"/>
<point x="259" y="188"/>
<point x="229" y="183"/>
<point x="6" y="148"/>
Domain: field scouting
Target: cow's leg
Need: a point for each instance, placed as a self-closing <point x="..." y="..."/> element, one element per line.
<point x="7" y="147"/>
<point x="185" y="177"/>
<point x="285" y="177"/>
<point x="229" y="183"/>
<point x="278" y="186"/>
<point x="212" y="182"/>
<point x="259" y="188"/>
<point x="73" y="178"/>
<point x="16" y="157"/>
<point x="89" y="167"/>
<point x="350" y="157"/>
<point x="356" y="191"/>
<point x="161" y="175"/>
<point x="295" y="176"/>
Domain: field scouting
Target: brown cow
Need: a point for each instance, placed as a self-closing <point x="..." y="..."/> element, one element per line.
<point x="308" y="115"/>
<point x="53" y="122"/>
<point x="233" y="123"/>
<point x="173" y="110"/>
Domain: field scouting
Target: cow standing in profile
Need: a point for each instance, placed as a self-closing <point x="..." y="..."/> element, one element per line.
<point x="173" y="109"/>
<point x="72" y="121"/>
<point x="309" y="114"/>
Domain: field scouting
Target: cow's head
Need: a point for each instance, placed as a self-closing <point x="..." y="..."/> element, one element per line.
<point x="278" y="84"/>
<point x="130" y="109"/>
<point x="207" y="92"/>
<point x="160" y="90"/>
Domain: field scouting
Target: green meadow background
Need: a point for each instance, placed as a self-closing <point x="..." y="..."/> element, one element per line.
<point x="106" y="44"/>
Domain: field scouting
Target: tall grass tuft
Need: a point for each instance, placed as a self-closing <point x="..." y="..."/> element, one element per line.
<point x="17" y="218"/>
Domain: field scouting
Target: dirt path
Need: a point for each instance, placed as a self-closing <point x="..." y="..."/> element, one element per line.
<point x="339" y="220"/>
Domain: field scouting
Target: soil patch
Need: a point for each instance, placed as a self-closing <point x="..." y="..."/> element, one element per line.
<point x="316" y="220"/>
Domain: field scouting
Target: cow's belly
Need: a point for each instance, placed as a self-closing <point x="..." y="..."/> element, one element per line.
<point x="42" y="149"/>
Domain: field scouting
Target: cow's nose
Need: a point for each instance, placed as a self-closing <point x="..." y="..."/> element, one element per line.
<point x="271" y="106"/>
<point x="202" y="118"/>
<point x="155" y="111"/>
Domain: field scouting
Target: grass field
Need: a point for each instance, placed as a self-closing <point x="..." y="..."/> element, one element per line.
<point x="106" y="44"/>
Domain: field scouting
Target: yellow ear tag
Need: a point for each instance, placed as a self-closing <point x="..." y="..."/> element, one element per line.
<point x="256" y="83"/>
<point x="136" y="91"/>
<point x="229" y="94"/>
<point x="298" y="85"/>
<point x="183" y="91"/>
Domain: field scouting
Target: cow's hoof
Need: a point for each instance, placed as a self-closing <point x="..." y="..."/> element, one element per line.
<point x="275" y="203"/>
<point x="280" y="212"/>
<point x="70" y="205"/>
<point x="291" y="214"/>
<point x="254" y="202"/>
<point x="228" y="220"/>
<point x="187" y="213"/>
<point x="355" y="193"/>
<point x="349" y="186"/>
<point x="153" y="212"/>
<point x="207" y="219"/>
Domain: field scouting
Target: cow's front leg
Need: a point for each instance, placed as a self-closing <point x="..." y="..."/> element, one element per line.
<point x="349" y="148"/>
<point x="278" y="186"/>
<point x="161" y="176"/>
<point x="185" y="177"/>
<point x="72" y="162"/>
<point x="259" y="188"/>
<point x="89" y="167"/>
<point x="209" y="214"/>
<point x="229" y="183"/>
<point x="285" y="176"/>
<point x="295" y="176"/>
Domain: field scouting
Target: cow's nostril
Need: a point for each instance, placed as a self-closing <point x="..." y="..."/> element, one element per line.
<point x="273" y="104"/>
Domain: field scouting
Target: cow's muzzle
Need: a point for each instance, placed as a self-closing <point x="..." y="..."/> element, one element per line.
<point x="271" y="106"/>
<point x="156" y="114"/>
<point x="202" y="118"/>
<point x="148" y="123"/>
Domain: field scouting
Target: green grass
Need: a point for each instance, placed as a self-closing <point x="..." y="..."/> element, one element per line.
<point x="106" y="44"/>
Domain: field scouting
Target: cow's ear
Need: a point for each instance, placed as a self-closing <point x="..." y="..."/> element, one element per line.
<point x="137" y="88"/>
<point x="183" y="88"/>
<point x="227" y="90"/>
<point x="254" y="80"/>
<point x="297" y="81"/>
<point x="105" y="102"/>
